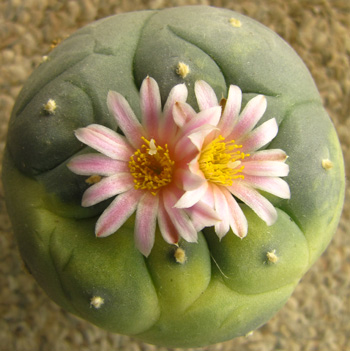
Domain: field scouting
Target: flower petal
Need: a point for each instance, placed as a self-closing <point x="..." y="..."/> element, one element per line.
<point x="198" y="136"/>
<point x="145" y="223"/>
<point x="259" y="204"/>
<point x="180" y="218"/>
<point x="269" y="155"/>
<point x="191" y="143"/>
<point x="265" y="168"/>
<point x="106" y="141"/>
<point x="166" y="226"/>
<point x="210" y="116"/>
<point x="273" y="185"/>
<point x="221" y="206"/>
<point x="126" y="119"/>
<point x="106" y="188"/>
<point x="202" y="215"/>
<point x="231" y="111"/>
<point x="89" y="164"/>
<point x="260" y="136"/>
<point x="249" y="117"/>
<point x="190" y="198"/>
<point x="168" y="128"/>
<point x="206" y="97"/>
<point x="196" y="130"/>
<point x="115" y="215"/>
<point x="183" y="113"/>
<point x="208" y="197"/>
<point x="150" y="106"/>
<point x="238" y="221"/>
<point x="188" y="180"/>
<point x="179" y="94"/>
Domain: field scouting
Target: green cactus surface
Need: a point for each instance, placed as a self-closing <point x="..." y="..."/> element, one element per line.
<point x="198" y="293"/>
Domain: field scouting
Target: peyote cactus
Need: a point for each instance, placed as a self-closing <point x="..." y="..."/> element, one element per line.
<point x="202" y="266"/>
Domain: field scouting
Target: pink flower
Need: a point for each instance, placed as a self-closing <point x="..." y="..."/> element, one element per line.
<point x="144" y="167"/>
<point x="228" y="164"/>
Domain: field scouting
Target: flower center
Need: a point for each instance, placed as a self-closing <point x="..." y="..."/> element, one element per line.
<point x="151" y="166"/>
<point x="220" y="161"/>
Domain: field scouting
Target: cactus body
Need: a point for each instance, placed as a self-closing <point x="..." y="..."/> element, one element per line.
<point x="209" y="291"/>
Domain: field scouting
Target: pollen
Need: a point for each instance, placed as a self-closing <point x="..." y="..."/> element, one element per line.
<point x="151" y="166"/>
<point x="220" y="161"/>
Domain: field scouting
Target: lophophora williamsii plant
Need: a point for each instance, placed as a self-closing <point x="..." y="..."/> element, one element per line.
<point x="172" y="174"/>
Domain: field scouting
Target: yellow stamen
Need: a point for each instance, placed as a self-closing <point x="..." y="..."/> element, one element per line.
<point x="220" y="161"/>
<point x="151" y="166"/>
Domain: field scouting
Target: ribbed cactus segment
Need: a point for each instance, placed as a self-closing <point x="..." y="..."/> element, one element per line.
<point x="189" y="294"/>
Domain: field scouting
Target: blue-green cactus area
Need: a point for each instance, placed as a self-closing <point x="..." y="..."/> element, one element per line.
<point x="193" y="294"/>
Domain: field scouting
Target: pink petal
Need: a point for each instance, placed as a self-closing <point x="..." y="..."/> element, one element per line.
<point x="265" y="168"/>
<point x="185" y="150"/>
<point x="179" y="94"/>
<point x="145" y="223"/>
<point x="168" y="127"/>
<point x="202" y="215"/>
<point x="183" y="113"/>
<point x="231" y="111"/>
<point x="259" y="204"/>
<point x="206" y="97"/>
<point x="106" y="188"/>
<point x="273" y="185"/>
<point x="193" y="142"/>
<point x="208" y="197"/>
<point x="249" y="117"/>
<point x="210" y="116"/>
<point x="269" y="155"/>
<point x="188" y="180"/>
<point x="198" y="136"/>
<point x="150" y="106"/>
<point x="221" y="207"/>
<point x="238" y="221"/>
<point x="260" y="136"/>
<point x="190" y="198"/>
<point x="180" y="219"/>
<point x="89" y="164"/>
<point x="195" y="131"/>
<point x="115" y="215"/>
<point x="126" y="119"/>
<point x="194" y="167"/>
<point x="105" y="141"/>
<point x="166" y="226"/>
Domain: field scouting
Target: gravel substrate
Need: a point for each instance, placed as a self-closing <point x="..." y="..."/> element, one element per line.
<point x="317" y="316"/>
